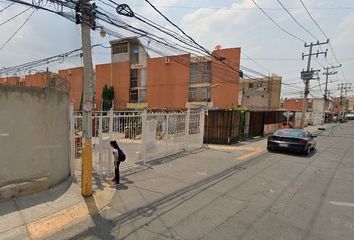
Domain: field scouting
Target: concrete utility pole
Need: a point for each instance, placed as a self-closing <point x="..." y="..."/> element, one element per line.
<point x="343" y="87"/>
<point x="308" y="75"/>
<point x="327" y="73"/>
<point x="326" y="92"/>
<point x="86" y="19"/>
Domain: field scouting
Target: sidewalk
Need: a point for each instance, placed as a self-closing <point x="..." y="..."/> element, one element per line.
<point x="48" y="213"/>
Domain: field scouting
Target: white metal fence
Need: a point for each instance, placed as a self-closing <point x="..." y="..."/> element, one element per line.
<point x="142" y="135"/>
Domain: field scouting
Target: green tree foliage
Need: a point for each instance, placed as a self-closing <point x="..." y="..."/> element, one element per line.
<point x="107" y="97"/>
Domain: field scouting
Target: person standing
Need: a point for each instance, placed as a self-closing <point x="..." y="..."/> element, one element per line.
<point x="115" y="147"/>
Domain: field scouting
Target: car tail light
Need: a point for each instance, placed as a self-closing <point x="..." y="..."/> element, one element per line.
<point x="303" y="141"/>
<point x="271" y="138"/>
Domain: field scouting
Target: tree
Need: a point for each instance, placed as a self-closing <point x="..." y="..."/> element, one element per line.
<point x="107" y="97"/>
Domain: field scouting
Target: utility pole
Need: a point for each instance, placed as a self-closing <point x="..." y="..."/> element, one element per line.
<point x="344" y="87"/>
<point x="308" y="75"/>
<point x="326" y="92"/>
<point x="327" y="73"/>
<point x="85" y="15"/>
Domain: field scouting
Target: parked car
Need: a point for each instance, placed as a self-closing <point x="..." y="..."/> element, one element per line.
<point x="350" y="116"/>
<point x="295" y="140"/>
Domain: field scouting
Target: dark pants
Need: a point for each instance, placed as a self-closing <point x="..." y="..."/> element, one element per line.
<point x="116" y="172"/>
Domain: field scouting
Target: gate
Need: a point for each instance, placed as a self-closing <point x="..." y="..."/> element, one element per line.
<point x="142" y="135"/>
<point x="222" y="127"/>
<point x="256" y="125"/>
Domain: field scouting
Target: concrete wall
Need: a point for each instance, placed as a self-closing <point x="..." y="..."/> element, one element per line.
<point x="265" y="93"/>
<point x="34" y="135"/>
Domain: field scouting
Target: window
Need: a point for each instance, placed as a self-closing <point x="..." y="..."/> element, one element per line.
<point x="134" y="96"/>
<point x="205" y="94"/>
<point x="200" y="72"/>
<point x="250" y="85"/>
<point x="142" y="95"/>
<point x="192" y="94"/>
<point x="133" y="78"/>
<point x="193" y="73"/>
<point x="206" y="72"/>
<point x="120" y="48"/>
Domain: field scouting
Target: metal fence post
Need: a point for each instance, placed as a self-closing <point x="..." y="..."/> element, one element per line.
<point x="201" y="126"/>
<point x="186" y="131"/>
<point x="110" y="129"/>
<point x="100" y="142"/>
<point x="72" y="141"/>
<point x="144" y="134"/>
<point x="167" y="134"/>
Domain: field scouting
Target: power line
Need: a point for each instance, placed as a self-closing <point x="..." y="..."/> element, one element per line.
<point x="308" y="12"/>
<point x="17" y="30"/>
<point x="6" y="7"/>
<point x="60" y="13"/>
<point x="243" y="8"/>
<point x="324" y="34"/>
<point x="253" y="60"/>
<point x="8" y="20"/>
<point x="219" y="58"/>
<point x="45" y="61"/>
<point x="296" y="21"/>
<point x="173" y="24"/>
<point x="273" y="21"/>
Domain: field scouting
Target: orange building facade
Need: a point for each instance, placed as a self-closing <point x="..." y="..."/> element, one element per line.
<point x="173" y="82"/>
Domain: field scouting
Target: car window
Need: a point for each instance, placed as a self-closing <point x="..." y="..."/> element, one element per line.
<point x="290" y="133"/>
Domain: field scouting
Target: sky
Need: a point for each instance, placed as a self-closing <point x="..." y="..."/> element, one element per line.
<point x="264" y="47"/>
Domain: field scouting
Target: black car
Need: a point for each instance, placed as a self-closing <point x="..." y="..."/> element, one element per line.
<point x="293" y="140"/>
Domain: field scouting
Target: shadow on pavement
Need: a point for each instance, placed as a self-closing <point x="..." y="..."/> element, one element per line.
<point x="34" y="199"/>
<point x="294" y="154"/>
<point x="164" y="204"/>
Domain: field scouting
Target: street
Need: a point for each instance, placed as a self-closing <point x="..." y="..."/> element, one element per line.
<point x="272" y="196"/>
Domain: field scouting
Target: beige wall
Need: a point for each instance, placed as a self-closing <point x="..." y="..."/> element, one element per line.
<point x="34" y="134"/>
<point x="265" y="97"/>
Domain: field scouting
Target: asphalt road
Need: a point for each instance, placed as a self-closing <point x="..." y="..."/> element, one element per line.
<point x="274" y="196"/>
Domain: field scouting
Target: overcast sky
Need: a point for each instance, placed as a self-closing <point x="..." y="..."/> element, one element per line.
<point x="223" y="22"/>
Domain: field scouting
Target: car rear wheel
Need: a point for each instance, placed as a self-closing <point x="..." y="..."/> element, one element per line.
<point x="307" y="151"/>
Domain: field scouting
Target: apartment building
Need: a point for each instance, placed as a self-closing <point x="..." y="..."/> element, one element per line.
<point x="173" y="82"/>
<point x="260" y="93"/>
<point x="141" y="81"/>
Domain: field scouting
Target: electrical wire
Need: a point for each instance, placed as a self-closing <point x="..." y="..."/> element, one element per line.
<point x="40" y="7"/>
<point x="275" y="23"/>
<point x="8" y="20"/>
<point x="219" y="58"/>
<point x="324" y="34"/>
<point x="173" y="24"/>
<point x="13" y="35"/>
<point x="6" y="7"/>
<point x="349" y="8"/>
<point x="296" y="21"/>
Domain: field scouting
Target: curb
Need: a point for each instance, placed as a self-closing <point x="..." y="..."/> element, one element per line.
<point x="51" y="224"/>
<point x="19" y="189"/>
